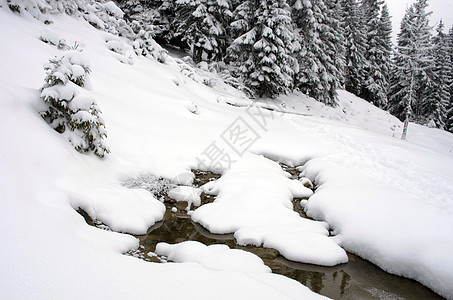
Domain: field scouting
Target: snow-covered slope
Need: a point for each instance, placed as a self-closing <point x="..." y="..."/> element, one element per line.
<point x="385" y="199"/>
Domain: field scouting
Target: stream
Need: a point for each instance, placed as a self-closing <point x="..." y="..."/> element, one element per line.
<point x="357" y="279"/>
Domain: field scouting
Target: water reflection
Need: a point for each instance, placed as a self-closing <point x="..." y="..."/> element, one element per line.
<point x="357" y="279"/>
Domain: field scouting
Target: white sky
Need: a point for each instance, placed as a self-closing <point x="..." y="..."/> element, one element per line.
<point x="442" y="9"/>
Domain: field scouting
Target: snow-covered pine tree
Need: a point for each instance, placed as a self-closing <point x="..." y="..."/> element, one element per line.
<point x="240" y="47"/>
<point x="376" y="72"/>
<point x="138" y="14"/>
<point x="320" y="52"/>
<point x="333" y="38"/>
<point x="355" y="46"/>
<point x="412" y="76"/>
<point x="70" y="110"/>
<point x="262" y="55"/>
<point x="151" y="16"/>
<point x="386" y="47"/>
<point x="449" y="122"/>
<point x="440" y="94"/>
<point x="221" y="11"/>
<point x="199" y="23"/>
<point x="166" y="13"/>
<point x="242" y="18"/>
<point x="311" y="69"/>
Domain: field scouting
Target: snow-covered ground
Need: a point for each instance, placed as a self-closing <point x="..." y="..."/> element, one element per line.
<point x="387" y="200"/>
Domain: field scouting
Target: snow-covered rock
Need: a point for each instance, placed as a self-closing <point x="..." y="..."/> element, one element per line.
<point x="188" y="194"/>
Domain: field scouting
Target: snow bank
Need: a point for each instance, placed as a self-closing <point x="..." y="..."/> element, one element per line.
<point x="214" y="257"/>
<point x="393" y="229"/>
<point x="123" y="210"/>
<point x="231" y="261"/>
<point x="254" y="200"/>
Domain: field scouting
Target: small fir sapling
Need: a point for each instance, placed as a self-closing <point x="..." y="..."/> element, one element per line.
<point x="71" y="111"/>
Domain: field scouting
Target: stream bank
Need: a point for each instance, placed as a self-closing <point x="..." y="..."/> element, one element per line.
<point x="357" y="279"/>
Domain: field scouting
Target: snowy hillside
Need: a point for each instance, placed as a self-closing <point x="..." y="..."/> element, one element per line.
<point x="384" y="199"/>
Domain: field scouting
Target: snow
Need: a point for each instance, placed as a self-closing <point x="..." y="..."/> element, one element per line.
<point x="214" y="257"/>
<point x="259" y="211"/>
<point x="63" y="92"/>
<point x="49" y="37"/>
<point x="115" y="46"/>
<point x="384" y="199"/>
<point x="112" y="9"/>
<point x="233" y="261"/>
<point x="186" y="193"/>
<point x="81" y="102"/>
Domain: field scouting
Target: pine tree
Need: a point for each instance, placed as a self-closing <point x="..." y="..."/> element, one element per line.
<point x="412" y="76"/>
<point x="320" y="52"/>
<point x="201" y="24"/>
<point x="355" y="62"/>
<point x="70" y="110"/>
<point x="440" y="94"/>
<point x="262" y="54"/>
<point x="376" y="72"/>
<point x="449" y="122"/>
<point x="165" y="34"/>
<point x="151" y="16"/>
<point x="386" y="48"/>
<point x="333" y="38"/>
<point x="242" y="18"/>
<point x="221" y="11"/>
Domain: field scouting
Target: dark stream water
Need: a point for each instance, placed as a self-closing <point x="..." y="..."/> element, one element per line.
<point x="357" y="279"/>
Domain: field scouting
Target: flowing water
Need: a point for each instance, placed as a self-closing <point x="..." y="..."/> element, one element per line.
<point x="357" y="279"/>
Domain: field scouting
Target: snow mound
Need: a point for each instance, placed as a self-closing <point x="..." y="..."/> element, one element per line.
<point x="233" y="263"/>
<point x="254" y="200"/>
<point x="123" y="210"/>
<point x="215" y="257"/>
<point x="186" y="193"/>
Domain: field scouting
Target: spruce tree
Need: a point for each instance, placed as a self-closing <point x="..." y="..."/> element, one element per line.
<point x="242" y="19"/>
<point x="449" y="122"/>
<point x="412" y="76"/>
<point x="166" y="9"/>
<point x="221" y="11"/>
<point x="144" y="15"/>
<point x="355" y="46"/>
<point x="376" y="72"/>
<point x="333" y="38"/>
<point x="201" y="24"/>
<point x="262" y="54"/>
<point x="386" y="48"/>
<point x="440" y="94"/>
<point x="320" y="52"/>
<point x="70" y="110"/>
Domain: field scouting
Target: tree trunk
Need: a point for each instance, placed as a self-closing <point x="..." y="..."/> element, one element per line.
<point x="408" y="108"/>
<point x="197" y="54"/>
<point x="406" y="124"/>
